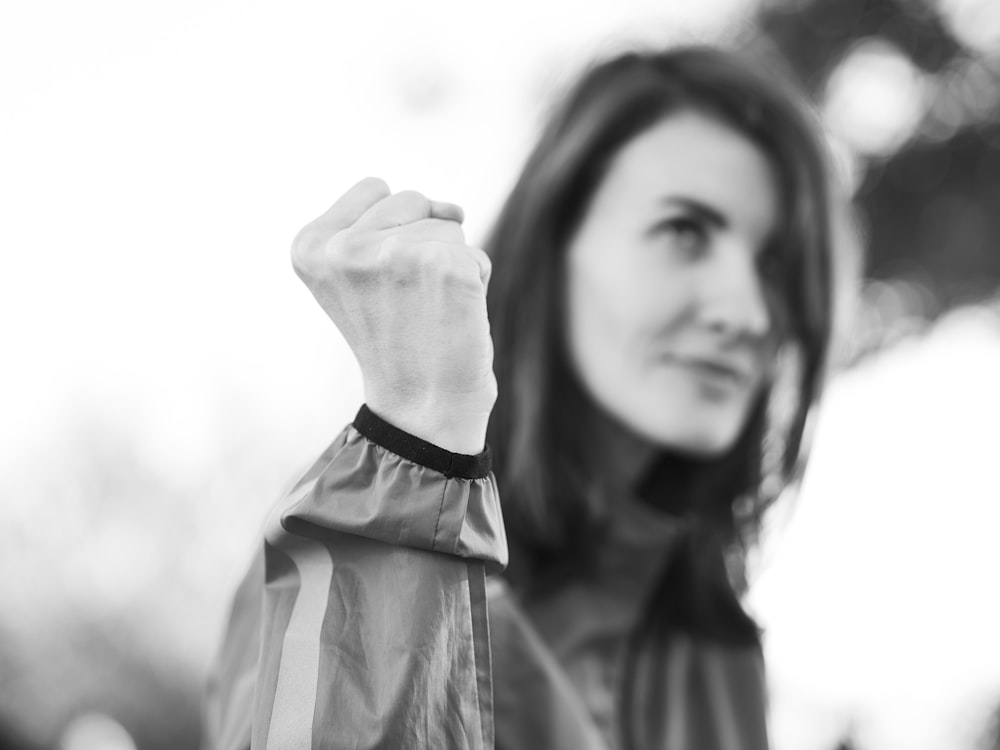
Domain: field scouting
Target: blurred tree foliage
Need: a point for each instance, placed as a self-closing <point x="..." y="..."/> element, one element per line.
<point x="931" y="206"/>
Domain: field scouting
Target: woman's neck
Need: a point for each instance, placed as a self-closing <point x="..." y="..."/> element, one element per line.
<point x="621" y="457"/>
<point x="629" y="465"/>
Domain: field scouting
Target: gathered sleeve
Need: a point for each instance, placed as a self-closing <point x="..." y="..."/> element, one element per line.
<point x="362" y="623"/>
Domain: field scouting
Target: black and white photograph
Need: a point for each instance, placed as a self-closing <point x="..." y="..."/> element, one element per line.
<point x="536" y="375"/>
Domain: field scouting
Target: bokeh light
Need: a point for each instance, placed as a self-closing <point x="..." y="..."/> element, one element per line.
<point x="875" y="98"/>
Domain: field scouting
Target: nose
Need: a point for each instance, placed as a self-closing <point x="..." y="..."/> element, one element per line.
<point x="733" y="299"/>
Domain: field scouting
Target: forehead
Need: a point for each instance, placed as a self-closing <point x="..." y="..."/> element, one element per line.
<point x="696" y="156"/>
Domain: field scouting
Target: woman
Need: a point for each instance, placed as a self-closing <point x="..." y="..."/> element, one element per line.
<point x="662" y="266"/>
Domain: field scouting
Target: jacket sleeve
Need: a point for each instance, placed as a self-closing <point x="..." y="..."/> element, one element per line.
<point x="362" y="623"/>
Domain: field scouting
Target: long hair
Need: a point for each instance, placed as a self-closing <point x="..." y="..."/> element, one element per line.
<point x="540" y="425"/>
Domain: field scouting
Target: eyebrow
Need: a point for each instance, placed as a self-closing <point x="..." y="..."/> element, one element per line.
<point x="703" y="210"/>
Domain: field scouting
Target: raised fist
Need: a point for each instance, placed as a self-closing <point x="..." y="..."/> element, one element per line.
<point x="394" y="273"/>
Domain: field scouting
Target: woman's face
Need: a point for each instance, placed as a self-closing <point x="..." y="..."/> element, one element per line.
<point x="668" y="323"/>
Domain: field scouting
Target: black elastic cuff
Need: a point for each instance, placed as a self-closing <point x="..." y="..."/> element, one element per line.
<point x="420" y="451"/>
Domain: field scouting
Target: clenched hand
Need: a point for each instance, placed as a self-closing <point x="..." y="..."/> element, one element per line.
<point x="394" y="273"/>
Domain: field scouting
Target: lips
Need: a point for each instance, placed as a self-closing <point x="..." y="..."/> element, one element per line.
<point x="718" y="369"/>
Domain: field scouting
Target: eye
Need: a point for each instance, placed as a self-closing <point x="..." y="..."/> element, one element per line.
<point x="685" y="233"/>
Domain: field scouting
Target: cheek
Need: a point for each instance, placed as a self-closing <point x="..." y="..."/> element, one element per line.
<point x="606" y="322"/>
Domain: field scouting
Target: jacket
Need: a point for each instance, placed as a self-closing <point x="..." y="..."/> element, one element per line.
<point x="372" y="617"/>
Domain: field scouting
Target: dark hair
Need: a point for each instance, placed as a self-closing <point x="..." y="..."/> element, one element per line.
<point x="540" y="423"/>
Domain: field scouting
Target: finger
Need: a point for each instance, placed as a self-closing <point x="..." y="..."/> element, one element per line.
<point x="399" y="209"/>
<point x="449" y="211"/>
<point x="405" y="207"/>
<point x="352" y="205"/>
<point x="430" y="230"/>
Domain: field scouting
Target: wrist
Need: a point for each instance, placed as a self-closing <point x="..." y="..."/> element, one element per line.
<point x="419" y="451"/>
<point x="456" y="425"/>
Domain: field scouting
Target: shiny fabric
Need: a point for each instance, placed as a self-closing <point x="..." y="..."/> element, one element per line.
<point x="367" y="620"/>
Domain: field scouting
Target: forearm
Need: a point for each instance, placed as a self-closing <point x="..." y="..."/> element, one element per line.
<point x="374" y="629"/>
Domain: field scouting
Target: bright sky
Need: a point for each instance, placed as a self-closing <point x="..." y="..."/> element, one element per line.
<point x="879" y="594"/>
<point x="157" y="158"/>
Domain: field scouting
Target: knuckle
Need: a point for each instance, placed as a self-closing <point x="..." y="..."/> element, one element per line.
<point x="450" y="231"/>
<point x="302" y="238"/>
<point x="484" y="260"/>
<point x="347" y="241"/>
<point x="350" y="269"/>
<point x="456" y="269"/>
<point x="301" y="250"/>
<point x="434" y="265"/>
<point x="391" y="247"/>
<point x="395" y="258"/>
<point x="491" y="389"/>
<point x="342" y="254"/>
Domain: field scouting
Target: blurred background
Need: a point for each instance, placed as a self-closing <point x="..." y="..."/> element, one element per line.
<point x="164" y="376"/>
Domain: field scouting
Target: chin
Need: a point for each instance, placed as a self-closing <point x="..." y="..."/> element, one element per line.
<point x="699" y="446"/>
<point x="692" y="435"/>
